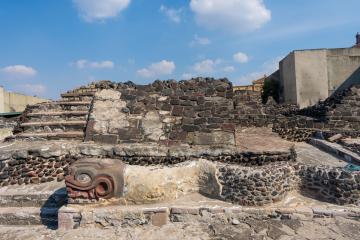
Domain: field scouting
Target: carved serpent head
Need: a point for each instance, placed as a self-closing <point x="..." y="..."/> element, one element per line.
<point x="93" y="179"/>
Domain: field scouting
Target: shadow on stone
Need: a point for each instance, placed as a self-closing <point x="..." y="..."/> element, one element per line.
<point x="49" y="210"/>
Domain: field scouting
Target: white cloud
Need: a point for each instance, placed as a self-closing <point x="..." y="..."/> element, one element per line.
<point x="163" y="67"/>
<point x="18" y="71"/>
<point x="83" y="63"/>
<point x="229" y="69"/>
<point x="233" y="15"/>
<point x="173" y="14"/>
<point x="241" y="57"/>
<point x="200" y="41"/>
<point x="186" y="76"/>
<point x="267" y="68"/>
<point x="32" y="89"/>
<point x="100" y="10"/>
<point x="205" y="66"/>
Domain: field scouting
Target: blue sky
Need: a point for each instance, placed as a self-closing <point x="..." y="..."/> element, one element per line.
<point x="50" y="46"/>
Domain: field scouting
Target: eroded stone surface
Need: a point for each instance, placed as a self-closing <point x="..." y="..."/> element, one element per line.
<point x="160" y="184"/>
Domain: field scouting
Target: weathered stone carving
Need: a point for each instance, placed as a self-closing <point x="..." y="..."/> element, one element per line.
<point x="93" y="179"/>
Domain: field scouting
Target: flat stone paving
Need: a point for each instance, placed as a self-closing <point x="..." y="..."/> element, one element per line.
<point x="260" y="139"/>
<point x="295" y="229"/>
<point x="263" y="139"/>
<point x="309" y="154"/>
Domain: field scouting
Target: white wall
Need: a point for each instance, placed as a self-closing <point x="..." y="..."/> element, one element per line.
<point x="16" y="102"/>
<point x="311" y="77"/>
<point x="288" y="78"/>
<point x="2" y="102"/>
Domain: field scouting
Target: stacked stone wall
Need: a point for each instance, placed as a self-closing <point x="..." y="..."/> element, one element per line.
<point x="251" y="112"/>
<point x="331" y="184"/>
<point x="7" y="126"/>
<point x="199" y="112"/>
<point x="338" y="114"/>
<point x="39" y="165"/>
<point x="245" y="178"/>
<point x="258" y="186"/>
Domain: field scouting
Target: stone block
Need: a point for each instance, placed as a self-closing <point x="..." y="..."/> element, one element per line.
<point x="189" y="113"/>
<point x="179" y="136"/>
<point x="185" y="210"/>
<point x="129" y="135"/>
<point x="199" y="121"/>
<point x="215" y="120"/>
<point x="106" y="138"/>
<point x="108" y="94"/>
<point x="177" y="111"/>
<point x="160" y="218"/>
<point x="166" y="107"/>
<point x="152" y="126"/>
<point x="190" y="128"/>
<point x="214" y="138"/>
<point x="175" y="102"/>
<point x="66" y="218"/>
<point x="335" y="138"/>
<point x="206" y="113"/>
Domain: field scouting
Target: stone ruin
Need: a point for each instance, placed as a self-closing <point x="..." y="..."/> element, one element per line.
<point x="137" y="144"/>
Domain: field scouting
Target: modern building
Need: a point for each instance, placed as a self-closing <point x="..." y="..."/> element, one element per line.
<point x="307" y="76"/>
<point x="15" y="102"/>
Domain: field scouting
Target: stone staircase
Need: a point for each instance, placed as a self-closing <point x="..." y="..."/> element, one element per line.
<point x="37" y="208"/>
<point x="63" y="119"/>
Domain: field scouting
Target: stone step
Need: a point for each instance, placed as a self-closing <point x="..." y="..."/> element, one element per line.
<point x="68" y="103"/>
<point x="58" y="123"/>
<point x="63" y="113"/>
<point x="59" y="106"/>
<point x="29" y="216"/>
<point x="78" y="98"/>
<point x="54" y="135"/>
<point x="56" y="118"/>
<point x="34" y="199"/>
<point x="78" y="94"/>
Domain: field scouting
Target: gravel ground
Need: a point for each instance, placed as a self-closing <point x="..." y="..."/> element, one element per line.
<point x="320" y="228"/>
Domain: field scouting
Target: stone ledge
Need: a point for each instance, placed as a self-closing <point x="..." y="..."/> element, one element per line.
<point x="336" y="149"/>
<point x="71" y="217"/>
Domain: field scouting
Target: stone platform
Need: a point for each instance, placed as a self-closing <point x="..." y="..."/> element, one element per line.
<point x="211" y="226"/>
<point x="196" y="208"/>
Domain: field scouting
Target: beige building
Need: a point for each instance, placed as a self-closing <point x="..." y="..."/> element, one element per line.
<point x="307" y="76"/>
<point x="16" y="102"/>
<point x="257" y="86"/>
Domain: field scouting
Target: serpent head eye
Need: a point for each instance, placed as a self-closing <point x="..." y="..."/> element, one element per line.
<point x="83" y="178"/>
